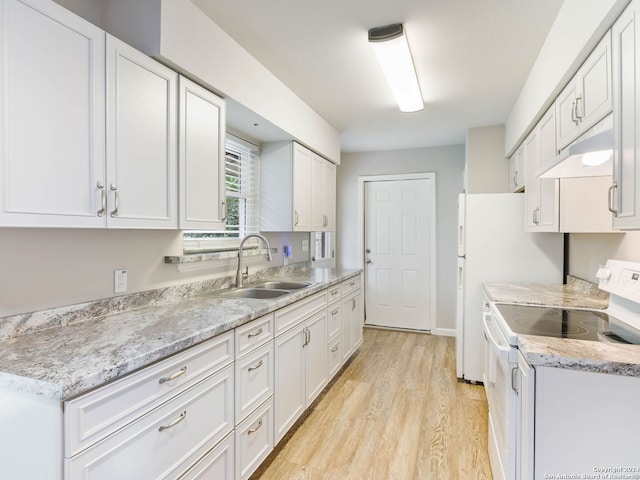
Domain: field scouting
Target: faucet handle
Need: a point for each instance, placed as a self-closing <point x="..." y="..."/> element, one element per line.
<point x="245" y="274"/>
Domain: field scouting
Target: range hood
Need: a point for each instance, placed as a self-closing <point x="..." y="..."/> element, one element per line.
<point x="590" y="155"/>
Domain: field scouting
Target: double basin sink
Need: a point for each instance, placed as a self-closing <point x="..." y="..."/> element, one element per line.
<point x="265" y="290"/>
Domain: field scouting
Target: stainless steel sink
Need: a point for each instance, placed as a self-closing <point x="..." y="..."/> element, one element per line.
<point x="282" y="285"/>
<point x="259" y="293"/>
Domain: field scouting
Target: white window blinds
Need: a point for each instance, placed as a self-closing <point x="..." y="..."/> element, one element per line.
<point x="242" y="188"/>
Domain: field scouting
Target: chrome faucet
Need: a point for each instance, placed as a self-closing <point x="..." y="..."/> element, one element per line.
<point x="240" y="275"/>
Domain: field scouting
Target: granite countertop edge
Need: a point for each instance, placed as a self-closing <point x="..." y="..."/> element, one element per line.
<point x="65" y="361"/>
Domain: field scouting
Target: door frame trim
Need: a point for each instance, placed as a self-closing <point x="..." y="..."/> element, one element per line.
<point x="361" y="216"/>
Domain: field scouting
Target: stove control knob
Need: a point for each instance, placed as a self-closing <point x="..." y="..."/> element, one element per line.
<point x="603" y="274"/>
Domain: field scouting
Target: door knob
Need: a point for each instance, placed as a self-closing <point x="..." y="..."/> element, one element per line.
<point x="368" y="250"/>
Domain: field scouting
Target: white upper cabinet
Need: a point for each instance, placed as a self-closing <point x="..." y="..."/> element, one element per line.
<point x="588" y="96"/>
<point x="297" y="189"/>
<point x="624" y="200"/>
<point x="516" y="171"/>
<point x="303" y="169"/>
<point x="323" y="194"/>
<point x="52" y="116"/>
<point x="141" y="140"/>
<point x="201" y="158"/>
<point x="542" y="196"/>
<point x="88" y="125"/>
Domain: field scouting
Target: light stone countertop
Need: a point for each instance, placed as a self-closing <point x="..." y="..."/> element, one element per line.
<point x="574" y="295"/>
<point x="66" y="360"/>
<point x="589" y="356"/>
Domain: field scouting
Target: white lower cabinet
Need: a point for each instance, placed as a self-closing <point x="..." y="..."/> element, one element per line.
<point x="157" y="444"/>
<point x="352" y="312"/>
<point x="254" y="440"/>
<point x="301" y="369"/>
<point x="301" y="359"/>
<point x="217" y="464"/>
<point x="212" y="412"/>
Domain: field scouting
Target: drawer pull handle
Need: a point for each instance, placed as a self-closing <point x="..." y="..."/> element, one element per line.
<point x="334" y="313"/>
<point x="254" y="430"/>
<point x="334" y="349"/>
<point x="256" y="333"/>
<point x="182" y="416"/>
<point x="260" y="363"/>
<point x="179" y="373"/>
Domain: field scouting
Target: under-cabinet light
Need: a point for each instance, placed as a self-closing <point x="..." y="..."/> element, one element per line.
<point x="392" y="49"/>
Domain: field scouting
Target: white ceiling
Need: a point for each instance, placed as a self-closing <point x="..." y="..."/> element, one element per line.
<point x="472" y="59"/>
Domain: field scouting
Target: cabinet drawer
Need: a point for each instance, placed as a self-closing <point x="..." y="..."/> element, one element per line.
<point x="335" y="356"/>
<point x="287" y="317"/>
<point x="254" y="380"/>
<point x="254" y="440"/>
<point x="334" y="320"/>
<point x="95" y="415"/>
<point x="154" y="444"/>
<point x="350" y="285"/>
<point x="217" y="464"/>
<point x="253" y="334"/>
<point x="333" y="293"/>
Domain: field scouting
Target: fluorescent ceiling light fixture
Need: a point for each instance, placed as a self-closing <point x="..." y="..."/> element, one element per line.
<point x="392" y="49"/>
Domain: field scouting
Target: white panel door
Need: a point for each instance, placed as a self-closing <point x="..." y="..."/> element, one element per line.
<point x="141" y="140"/>
<point x="51" y="117"/>
<point x="399" y="236"/>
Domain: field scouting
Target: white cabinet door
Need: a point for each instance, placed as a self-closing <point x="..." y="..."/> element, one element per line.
<point x="588" y="96"/>
<point x="51" y="116"/>
<point x="542" y="195"/>
<point x="624" y="199"/>
<point x="254" y="440"/>
<point x="316" y="362"/>
<point x="357" y="320"/>
<point x="217" y="464"/>
<point x="302" y="170"/>
<point x="317" y="200"/>
<point x="290" y="379"/>
<point x="297" y="189"/>
<point x="201" y="157"/>
<point x="516" y="170"/>
<point x="329" y="196"/>
<point x="595" y="85"/>
<point x="525" y="419"/>
<point x="141" y="140"/>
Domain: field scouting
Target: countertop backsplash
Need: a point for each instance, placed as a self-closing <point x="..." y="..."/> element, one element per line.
<point x="15" y="325"/>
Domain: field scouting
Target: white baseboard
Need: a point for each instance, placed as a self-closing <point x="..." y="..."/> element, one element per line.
<point x="444" y="332"/>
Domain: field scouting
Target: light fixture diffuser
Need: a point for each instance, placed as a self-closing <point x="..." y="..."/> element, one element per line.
<point x="392" y="49"/>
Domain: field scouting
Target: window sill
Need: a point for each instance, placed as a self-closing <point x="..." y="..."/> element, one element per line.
<point x="208" y="256"/>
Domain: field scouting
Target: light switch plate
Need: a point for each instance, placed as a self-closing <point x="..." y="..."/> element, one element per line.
<point x="305" y="245"/>
<point x="119" y="281"/>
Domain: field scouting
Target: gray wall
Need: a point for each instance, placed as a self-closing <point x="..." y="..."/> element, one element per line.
<point x="589" y="250"/>
<point x="487" y="167"/>
<point x="448" y="164"/>
<point x="45" y="268"/>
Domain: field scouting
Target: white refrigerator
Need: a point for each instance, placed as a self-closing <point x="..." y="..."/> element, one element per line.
<point x="493" y="247"/>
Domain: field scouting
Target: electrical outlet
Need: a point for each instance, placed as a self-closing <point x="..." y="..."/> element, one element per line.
<point x="119" y="281"/>
<point x="305" y="245"/>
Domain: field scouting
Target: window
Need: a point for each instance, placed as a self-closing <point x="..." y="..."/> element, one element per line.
<point x="242" y="200"/>
<point x="323" y="249"/>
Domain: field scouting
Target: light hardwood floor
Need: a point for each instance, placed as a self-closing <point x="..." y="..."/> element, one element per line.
<point x="396" y="412"/>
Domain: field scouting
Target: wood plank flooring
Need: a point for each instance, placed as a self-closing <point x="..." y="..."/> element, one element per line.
<point x="396" y="412"/>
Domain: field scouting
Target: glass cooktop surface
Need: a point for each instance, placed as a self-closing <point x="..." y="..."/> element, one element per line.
<point x="574" y="324"/>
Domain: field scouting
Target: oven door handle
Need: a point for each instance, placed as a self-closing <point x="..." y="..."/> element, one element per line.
<point x="501" y="352"/>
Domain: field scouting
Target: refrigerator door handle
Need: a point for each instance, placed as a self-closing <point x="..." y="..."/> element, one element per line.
<point x="460" y="277"/>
